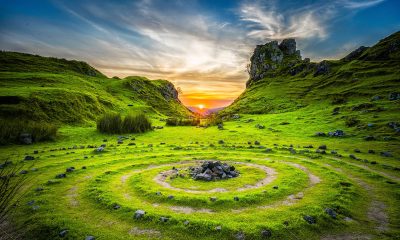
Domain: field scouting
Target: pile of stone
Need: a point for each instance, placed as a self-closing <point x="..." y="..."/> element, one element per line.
<point x="213" y="170"/>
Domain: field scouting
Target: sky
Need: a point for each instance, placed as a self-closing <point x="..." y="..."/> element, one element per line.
<point x="201" y="46"/>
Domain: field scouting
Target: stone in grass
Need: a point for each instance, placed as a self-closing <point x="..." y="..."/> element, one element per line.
<point x="84" y="167"/>
<point x="236" y="198"/>
<point x="139" y="214"/>
<point x="61" y="175"/>
<point x="357" y="150"/>
<point x="39" y="189"/>
<point x="369" y="138"/>
<point x="322" y="147"/>
<point x="221" y="142"/>
<point x="267" y="150"/>
<point x="90" y="238"/>
<point x="333" y="152"/>
<point x="275" y="187"/>
<point x="256" y="143"/>
<point x="116" y="207"/>
<point x="158" y="193"/>
<point x="352" y="156"/>
<point x="70" y="169"/>
<point x="320" y="134"/>
<point x="27" y="158"/>
<point x="371" y="151"/>
<point x="23" y="172"/>
<point x="186" y="222"/>
<point x="170" y="197"/>
<point x="120" y="142"/>
<point x="63" y="233"/>
<point x="100" y="149"/>
<point x="30" y="203"/>
<point x="310" y="219"/>
<point x="331" y="212"/>
<point x="36" y="152"/>
<point x="265" y="233"/>
<point x="240" y="236"/>
<point x="164" y="219"/>
<point x="35" y="208"/>
<point x="386" y="154"/>
<point x="218" y="228"/>
<point x="213" y="199"/>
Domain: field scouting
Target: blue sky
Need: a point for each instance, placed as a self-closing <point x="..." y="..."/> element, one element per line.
<point x="201" y="46"/>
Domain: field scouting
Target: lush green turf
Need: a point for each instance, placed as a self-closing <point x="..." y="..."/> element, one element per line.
<point x="101" y="195"/>
<point x="124" y="175"/>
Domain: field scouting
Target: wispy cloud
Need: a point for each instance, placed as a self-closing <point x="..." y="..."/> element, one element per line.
<point x="360" y="3"/>
<point x="267" y="22"/>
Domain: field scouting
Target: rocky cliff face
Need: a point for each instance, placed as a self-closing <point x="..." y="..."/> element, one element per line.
<point x="269" y="58"/>
<point x="169" y="92"/>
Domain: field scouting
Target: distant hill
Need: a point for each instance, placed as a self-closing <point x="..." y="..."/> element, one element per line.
<point x="64" y="91"/>
<point x="205" y="111"/>
<point x="281" y="81"/>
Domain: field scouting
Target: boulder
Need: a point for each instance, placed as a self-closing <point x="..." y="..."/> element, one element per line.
<point x="394" y="96"/>
<point x="320" y="134"/>
<point x="63" y="233"/>
<point x="386" y="154"/>
<point x="265" y="233"/>
<point x="310" y="219"/>
<point x="164" y="219"/>
<point x="90" y="238"/>
<point x="322" y="68"/>
<point x="322" y="147"/>
<point x="330" y="212"/>
<point x="139" y="214"/>
<point x="25" y="138"/>
<point x="61" y="175"/>
<point x="100" y="149"/>
<point x="29" y="158"/>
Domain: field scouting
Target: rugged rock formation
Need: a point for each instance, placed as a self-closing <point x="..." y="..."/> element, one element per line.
<point x="269" y="58"/>
<point x="169" y="92"/>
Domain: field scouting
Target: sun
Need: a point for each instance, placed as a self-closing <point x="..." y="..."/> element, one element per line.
<point x="201" y="106"/>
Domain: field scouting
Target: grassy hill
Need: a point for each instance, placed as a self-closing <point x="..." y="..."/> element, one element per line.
<point x="364" y="86"/>
<point x="69" y="92"/>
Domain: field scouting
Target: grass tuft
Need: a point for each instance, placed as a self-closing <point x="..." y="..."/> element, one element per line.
<point x="132" y="123"/>
<point x="10" y="131"/>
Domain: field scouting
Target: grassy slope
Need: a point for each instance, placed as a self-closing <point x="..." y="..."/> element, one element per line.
<point x="57" y="90"/>
<point x="375" y="73"/>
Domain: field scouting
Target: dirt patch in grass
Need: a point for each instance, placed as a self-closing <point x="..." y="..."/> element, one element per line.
<point x="142" y="231"/>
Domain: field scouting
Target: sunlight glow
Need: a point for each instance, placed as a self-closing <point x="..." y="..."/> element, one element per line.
<point x="201" y="106"/>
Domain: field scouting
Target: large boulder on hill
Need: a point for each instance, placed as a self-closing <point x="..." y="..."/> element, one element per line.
<point x="270" y="57"/>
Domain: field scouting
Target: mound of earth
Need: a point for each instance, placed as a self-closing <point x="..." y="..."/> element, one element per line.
<point x="213" y="170"/>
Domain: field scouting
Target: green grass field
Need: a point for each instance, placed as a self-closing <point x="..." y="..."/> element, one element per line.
<point x="292" y="183"/>
<point x="364" y="193"/>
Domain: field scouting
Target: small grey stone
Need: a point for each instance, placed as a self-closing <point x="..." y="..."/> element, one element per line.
<point x="63" y="233"/>
<point x="310" y="219"/>
<point x="164" y="219"/>
<point x="265" y="233"/>
<point x="139" y="214"/>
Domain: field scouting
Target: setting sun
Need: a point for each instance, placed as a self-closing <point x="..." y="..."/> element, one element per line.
<point x="201" y="106"/>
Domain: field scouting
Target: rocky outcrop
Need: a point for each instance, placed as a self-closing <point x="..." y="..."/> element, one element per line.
<point x="270" y="58"/>
<point x="169" y="92"/>
<point x="355" y="54"/>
